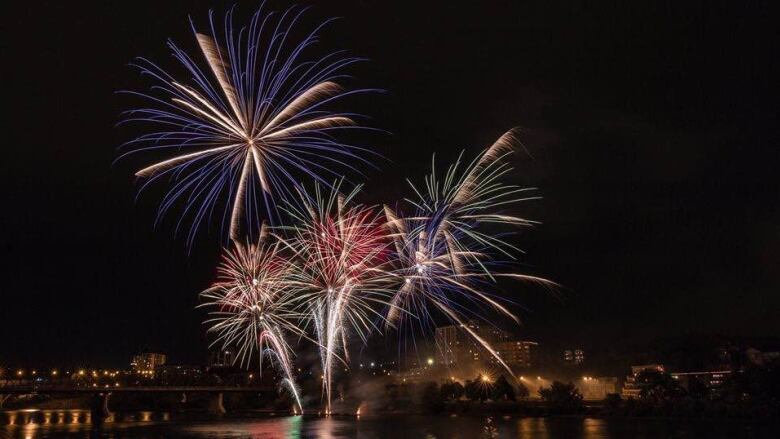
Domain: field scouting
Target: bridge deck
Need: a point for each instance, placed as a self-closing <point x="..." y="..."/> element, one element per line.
<point x="131" y="389"/>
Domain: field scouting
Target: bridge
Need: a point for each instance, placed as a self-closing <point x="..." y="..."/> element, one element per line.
<point x="101" y="395"/>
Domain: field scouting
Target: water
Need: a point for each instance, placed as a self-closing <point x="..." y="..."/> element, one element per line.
<point x="34" y="424"/>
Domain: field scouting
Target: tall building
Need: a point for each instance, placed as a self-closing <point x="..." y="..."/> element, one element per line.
<point x="148" y="361"/>
<point x="517" y="354"/>
<point x="456" y="347"/>
<point x="489" y="333"/>
<point x="447" y="344"/>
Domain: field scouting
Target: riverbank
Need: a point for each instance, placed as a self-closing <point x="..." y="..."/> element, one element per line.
<point x="533" y="408"/>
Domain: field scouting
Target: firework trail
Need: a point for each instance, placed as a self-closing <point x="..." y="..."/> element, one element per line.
<point x="441" y="257"/>
<point x="253" y="307"/>
<point x="339" y="250"/>
<point x="245" y="122"/>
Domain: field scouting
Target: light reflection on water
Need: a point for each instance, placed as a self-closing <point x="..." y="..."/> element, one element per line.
<point x="39" y="424"/>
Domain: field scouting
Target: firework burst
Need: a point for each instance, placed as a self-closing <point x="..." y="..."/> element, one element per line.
<point x="442" y="257"/>
<point x="339" y="250"/>
<point x="252" y="307"/>
<point x="247" y="124"/>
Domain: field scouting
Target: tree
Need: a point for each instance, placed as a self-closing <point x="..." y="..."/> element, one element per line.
<point x="522" y="391"/>
<point x="457" y="390"/>
<point x="562" y="397"/>
<point x="478" y="389"/>
<point x="658" y="387"/>
<point x="451" y="390"/>
<point x="753" y="392"/>
<point x="502" y="390"/>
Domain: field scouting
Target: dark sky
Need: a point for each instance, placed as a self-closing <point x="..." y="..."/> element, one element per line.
<point x="653" y="128"/>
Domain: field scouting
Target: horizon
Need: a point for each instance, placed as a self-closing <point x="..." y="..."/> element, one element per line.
<point x="652" y="146"/>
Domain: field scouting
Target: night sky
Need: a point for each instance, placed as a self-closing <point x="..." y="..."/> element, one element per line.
<point x="652" y="130"/>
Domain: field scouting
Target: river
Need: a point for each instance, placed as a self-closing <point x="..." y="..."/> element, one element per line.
<point x="34" y="424"/>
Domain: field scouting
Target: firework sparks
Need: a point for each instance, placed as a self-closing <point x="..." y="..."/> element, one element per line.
<point x="442" y="257"/>
<point x="339" y="250"/>
<point x="248" y="124"/>
<point x="252" y="307"/>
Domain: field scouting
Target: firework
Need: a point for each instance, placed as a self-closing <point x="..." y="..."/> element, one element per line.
<point x="252" y="307"/>
<point x="442" y="257"/>
<point x="339" y="250"/>
<point x="248" y="122"/>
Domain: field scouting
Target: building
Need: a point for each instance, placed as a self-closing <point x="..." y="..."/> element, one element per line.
<point x="447" y="344"/>
<point x="630" y="388"/>
<point x="573" y="357"/>
<point x="711" y="379"/>
<point x="453" y="346"/>
<point x="148" y="362"/>
<point x="597" y="388"/>
<point x="221" y="358"/>
<point x="456" y="347"/>
<point x="516" y="354"/>
<point x="489" y="333"/>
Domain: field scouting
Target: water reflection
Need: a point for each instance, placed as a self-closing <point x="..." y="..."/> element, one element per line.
<point x="38" y="424"/>
<point x="43" y="417"/>
<point x="146" y="416"/>
<point x="288" y="427"/>
<point x="489" y="430"/>
<point x="76" y="417"/>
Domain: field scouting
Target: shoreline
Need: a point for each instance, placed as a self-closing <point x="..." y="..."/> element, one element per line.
<point x="202" y="415"/>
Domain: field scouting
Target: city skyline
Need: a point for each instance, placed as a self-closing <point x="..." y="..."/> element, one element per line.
<point x="658" y="242"/>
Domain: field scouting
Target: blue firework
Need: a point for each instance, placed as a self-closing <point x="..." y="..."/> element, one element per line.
<point x="246" y="123"/>
<point x="443" y="258"/>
